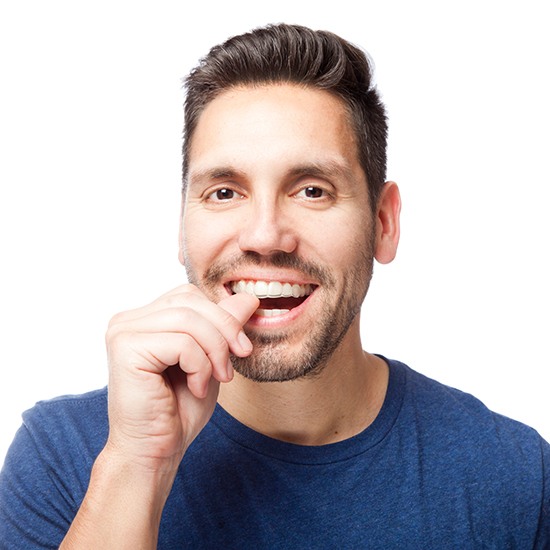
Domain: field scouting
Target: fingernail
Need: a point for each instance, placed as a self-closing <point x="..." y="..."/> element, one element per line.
<point x="244" y="342"/>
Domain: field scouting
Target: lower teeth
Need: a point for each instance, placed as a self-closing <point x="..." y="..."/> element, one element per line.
<point x="271" y="312"/>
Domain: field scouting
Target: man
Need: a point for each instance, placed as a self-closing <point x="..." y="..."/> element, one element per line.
<point x="242" y="410"/>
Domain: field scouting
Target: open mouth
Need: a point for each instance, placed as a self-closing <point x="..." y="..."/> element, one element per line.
<point x="276" y="298"/>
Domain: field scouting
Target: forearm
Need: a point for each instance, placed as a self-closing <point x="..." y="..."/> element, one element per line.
<point x="122" y="507"/>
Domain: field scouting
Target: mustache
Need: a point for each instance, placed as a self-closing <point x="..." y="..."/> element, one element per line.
<point x="277" y="260"/>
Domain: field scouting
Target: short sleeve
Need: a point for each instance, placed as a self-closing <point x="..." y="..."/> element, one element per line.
<point x="47" y="469"/>
<point x="35" y="509"/>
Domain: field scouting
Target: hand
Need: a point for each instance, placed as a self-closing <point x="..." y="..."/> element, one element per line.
<point x="166" y="361"/>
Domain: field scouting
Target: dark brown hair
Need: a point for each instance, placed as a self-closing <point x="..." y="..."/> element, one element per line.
<point x="295" y="54"/>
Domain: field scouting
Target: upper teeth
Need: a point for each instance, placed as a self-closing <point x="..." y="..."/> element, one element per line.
<point x="271" y="289"/>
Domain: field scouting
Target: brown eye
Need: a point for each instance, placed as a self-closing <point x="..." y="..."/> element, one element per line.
<point x="313" y="192"/>
<point x="223" y="194"/>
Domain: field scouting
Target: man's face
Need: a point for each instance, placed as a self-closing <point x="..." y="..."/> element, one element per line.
<point x="277" y="204"/>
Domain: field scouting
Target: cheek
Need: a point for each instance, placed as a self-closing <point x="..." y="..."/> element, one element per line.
<point x="204" y="239"/>
<point x="342" y="239"/>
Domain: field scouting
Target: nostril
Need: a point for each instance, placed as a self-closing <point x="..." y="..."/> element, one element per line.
<point x="267" y="235"/>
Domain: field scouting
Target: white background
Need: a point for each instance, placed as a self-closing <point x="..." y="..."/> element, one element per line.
<point x="90" y="137"/>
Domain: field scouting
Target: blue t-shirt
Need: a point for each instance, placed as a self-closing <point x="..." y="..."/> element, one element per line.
<point x="435" y="470"/>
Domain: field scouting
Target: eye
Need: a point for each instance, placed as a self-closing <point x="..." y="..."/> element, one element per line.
<point x="312" y="192"/>
<point x="222" y="195"/>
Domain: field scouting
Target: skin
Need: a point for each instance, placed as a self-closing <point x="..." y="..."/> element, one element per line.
<point x="283" y="131"/>
<point x="169" y="361"/>
<point x="286" y="187"/>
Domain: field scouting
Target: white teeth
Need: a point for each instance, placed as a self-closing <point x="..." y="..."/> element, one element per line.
<point x="260" y="289"/>
<point x="271" y="312"/>
<point x="274" y="289"/>
<point x="239" y="287"/>
<point x="271" y="289"/>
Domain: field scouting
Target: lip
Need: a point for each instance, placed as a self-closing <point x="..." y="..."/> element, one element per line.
<point x="278" y="321"/>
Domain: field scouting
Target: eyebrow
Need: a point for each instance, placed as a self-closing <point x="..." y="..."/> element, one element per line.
<point x="321" y="169"/>
<point x="216" y="173"/>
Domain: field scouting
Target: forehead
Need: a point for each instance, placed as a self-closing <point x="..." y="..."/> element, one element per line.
<point x="282" y="123"/>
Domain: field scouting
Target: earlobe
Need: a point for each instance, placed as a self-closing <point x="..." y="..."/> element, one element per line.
<point x="387" y="223"/>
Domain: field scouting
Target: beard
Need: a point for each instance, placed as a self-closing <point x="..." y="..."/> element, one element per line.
<point x="271" y="359"/>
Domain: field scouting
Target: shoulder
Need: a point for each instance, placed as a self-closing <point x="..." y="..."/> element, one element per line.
<point x="61" y="436"/>
<point x="47" y="467"/>
<point x="69" y="405"/>
<point x="496" y="465"/>
<point x="69" y="418"/>
<point x="456" y="424"/>
<point x="65" y="432"/>
<point x="454" y="409"/>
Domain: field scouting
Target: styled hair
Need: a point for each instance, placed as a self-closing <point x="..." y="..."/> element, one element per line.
<point x="296" y="55"/>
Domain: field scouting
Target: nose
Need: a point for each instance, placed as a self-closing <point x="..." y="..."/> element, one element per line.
<point x="267" y="229"/>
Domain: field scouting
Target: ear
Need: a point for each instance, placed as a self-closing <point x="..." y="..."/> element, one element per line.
<point x="387" y="223"/>
<point x="181" y="256"/>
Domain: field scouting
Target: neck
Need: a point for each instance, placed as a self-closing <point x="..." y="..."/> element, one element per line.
<point x="338" y="403"/>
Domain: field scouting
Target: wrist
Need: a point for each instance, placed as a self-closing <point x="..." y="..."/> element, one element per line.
<point x="145" y="475"/>
<point x="123" y="505"/>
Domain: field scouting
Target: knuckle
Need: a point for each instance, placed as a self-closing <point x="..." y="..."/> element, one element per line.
<point x="182" y="299"/>
<point x="111" y="333"/>
<point x="184" y="316"/>
<point x="117" y="324"/>
<point x="114" y="338"/>
<point x="116" y="319"/>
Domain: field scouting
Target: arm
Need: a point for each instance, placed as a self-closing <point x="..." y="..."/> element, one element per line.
<point x="166" y="361"/>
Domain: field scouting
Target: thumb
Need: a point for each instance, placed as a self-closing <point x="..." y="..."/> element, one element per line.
<point x="241" y="306"/>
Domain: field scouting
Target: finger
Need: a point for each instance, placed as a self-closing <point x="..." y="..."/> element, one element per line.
<point x="199" y="369"/>
<point x="154" y="353"/>
<point x="241" y="306"/>
<point x="183" y="321"/>
<point x="164" y="352"/>
<point x="176" y="297"/>
<point x="194" y="408"/>
<point x="228" y="325"/>
<point x="229" y="316"/>
<point x="197" y="383"/>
